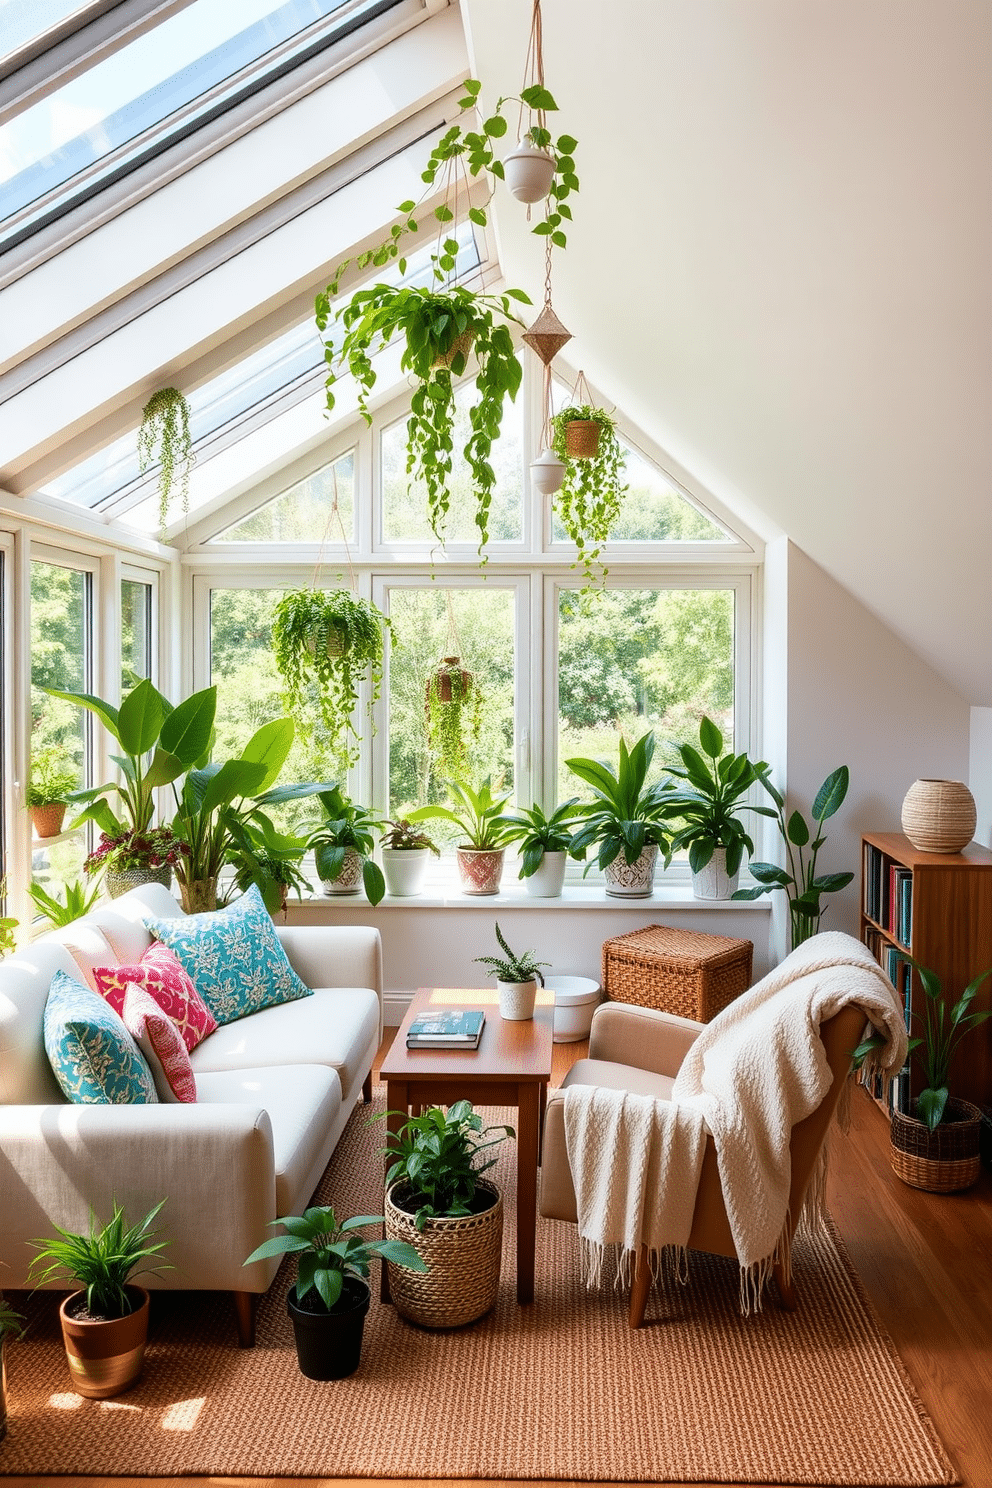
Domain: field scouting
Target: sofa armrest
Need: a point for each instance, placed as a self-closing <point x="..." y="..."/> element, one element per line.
<point x="642" y="1037"/>
<point x="334" y="955"/>
<point x="213" y="1165"/>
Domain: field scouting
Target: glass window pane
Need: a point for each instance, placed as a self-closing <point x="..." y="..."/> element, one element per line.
<point x="404" y="517"/>
<point x="631" y="660"/>
<point x="22" y="20"/>
<point x="476" y="625"/>
<point x="136" y="633"/>
<point x="60" y="732"/>
<point x="319" y="508"/>
<point x="655" y="510"/>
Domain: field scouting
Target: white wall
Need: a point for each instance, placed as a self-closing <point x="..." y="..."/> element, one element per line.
<point x="980" y="772"/>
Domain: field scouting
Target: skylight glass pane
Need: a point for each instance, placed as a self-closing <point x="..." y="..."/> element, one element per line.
<point x="321" y="507"/>
<point x="118" y="100"/>
<point x="22" y="20"/>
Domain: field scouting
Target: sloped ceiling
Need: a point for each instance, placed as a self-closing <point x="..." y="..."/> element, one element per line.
<point x="780" y="267"/>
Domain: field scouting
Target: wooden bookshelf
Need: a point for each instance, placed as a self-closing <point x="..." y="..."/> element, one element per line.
<point x="949" y="922"/>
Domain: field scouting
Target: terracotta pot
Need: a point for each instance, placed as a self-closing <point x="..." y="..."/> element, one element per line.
<point x="939" y="816"/>
<point x="632" y="880"/>
<point x="444" y="676"/>
<point x="349" y="880"/>
<point x="47" y="820"/>
<point x="199" y="896"/>
<point x="480" y="869"/>
<point x="105" y="1354"/>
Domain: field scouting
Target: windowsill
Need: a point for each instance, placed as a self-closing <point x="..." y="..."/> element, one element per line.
<point x="583" y="897"/>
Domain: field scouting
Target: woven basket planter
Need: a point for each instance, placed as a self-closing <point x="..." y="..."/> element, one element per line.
<point x="47" y="820"/>
<point x="462" y="1257"/>
<point x="118" y="882"/>
<point x="939" y="816"/>
<point x="582" y="438"/>
<point x="944" y="1160"/>
<point x="462" y="345"/>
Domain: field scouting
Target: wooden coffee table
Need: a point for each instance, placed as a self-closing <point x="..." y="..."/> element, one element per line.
<point x="511" y="1067"/>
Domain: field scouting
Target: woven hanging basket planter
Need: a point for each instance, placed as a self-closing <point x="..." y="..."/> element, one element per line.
<point x="939" y="816"/>
<point x="462" y="345"/>
<point x="462" y="1257"/>
<point x="582" y="438"/>
<point x="944" y="1160"/>
<point x="444" y="674"/>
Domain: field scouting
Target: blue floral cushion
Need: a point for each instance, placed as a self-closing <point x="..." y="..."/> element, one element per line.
<point x="233" y="957"/>
<point x="94" y="1058"/>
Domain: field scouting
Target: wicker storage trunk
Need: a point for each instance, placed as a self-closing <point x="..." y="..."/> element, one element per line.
<point x="676" y="971"/>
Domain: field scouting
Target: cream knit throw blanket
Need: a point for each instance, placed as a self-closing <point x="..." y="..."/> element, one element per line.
<point x="749" y="1077"/>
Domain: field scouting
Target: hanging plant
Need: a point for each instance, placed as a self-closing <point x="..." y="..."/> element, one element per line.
<point x="454" y="717"/>
<point x="432" y="323"/>
<point x="164" y="438"/>
<point x="331" y="641"/>
<point x="591" y="493"/>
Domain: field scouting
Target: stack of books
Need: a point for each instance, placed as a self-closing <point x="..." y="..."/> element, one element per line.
<point x="446" y="1029"/>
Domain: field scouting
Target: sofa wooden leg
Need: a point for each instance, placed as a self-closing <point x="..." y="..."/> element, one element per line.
<point x="367" y="1088"/>
<point x="640" y="1288"/>
<point x="246" y="1309"/>
<point x="786" y="1290"/>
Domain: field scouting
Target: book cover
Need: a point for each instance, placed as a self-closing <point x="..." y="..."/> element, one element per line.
<point x="447" y="1026"/>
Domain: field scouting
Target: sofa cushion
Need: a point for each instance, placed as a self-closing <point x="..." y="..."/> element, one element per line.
<point x="164" y="977"/>
<point x="233" y="956"/>
<point x="161" y="1043"/>
<point x="87" y="944"/>
<point x="94" y="1058"/>
<point x="303" y="1102"/>
<point x="337" y="1027"/>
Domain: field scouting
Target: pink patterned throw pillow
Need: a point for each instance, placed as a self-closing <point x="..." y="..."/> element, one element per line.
<point x="160" y="1042"/>
<point x="160" y="974"/>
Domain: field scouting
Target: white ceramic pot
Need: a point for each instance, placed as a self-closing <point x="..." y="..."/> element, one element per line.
<point x="528" y="172"/>
<point x="480" y="869"/>
<point x="349" y="880"/>
<point x="547" y="473"/>
<point x="404" y="869"/>
<point x="517" y="999"/>
<point x="548" y="877"/>
<point x="713" y="881"/>
<point x="632" y="880"/>
<point x="576" y="999"/>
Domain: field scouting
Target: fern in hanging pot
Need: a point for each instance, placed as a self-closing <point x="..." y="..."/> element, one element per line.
<point x="164" y="438"/>
<point x="329" y="641"/>
<point x="592" y="491"/>
<point x="454" y="716"/>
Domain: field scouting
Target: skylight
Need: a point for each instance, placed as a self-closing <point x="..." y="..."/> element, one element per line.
<point x="158" y="88"/>
<point x="22" y="20"/>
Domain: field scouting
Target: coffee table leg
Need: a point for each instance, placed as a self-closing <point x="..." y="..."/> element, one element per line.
<point x="397" y="1104"/>
<point x="528" y="1106"/>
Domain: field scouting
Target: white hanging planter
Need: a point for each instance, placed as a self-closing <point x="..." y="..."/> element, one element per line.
<point x="529" y="171"/>
<point x="547" y="472"/>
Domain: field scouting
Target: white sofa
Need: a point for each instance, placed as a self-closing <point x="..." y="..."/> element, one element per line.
<point x="274" y="1091"/>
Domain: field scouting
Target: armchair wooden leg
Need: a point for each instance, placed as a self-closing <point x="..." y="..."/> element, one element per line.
<point x="246" y="1308"/>
<point x="640" y="1288"/>
<point x="786" y="1290"/>
<point x="367" y="1088"/>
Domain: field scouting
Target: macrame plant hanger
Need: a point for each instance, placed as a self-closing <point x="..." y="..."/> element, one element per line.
<point x="332" y="515"/>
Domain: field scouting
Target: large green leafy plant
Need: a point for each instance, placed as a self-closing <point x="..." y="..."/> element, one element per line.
<point x="327" y="1253"/>
<point x="438" y="1157"/>
<point x="592" y="491"/>
<point x="804" y="886"/>
<point x="627" y="814"/>
<point x="711" y="798"/>
<point x="538" y="833"/>
<point x="102" y="1262"/>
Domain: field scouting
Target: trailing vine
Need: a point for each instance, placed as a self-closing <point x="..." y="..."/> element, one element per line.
<point x="591" y="494"/>
<point x="164" y="437"/>
<point x="329" y="641"/>
<point x="454" y="724"/>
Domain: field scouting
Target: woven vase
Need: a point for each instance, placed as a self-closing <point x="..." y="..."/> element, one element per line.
<point x="944" y="1160"/>
<point x="939" y="816"/>
<point x="462" y="1256"/>
<point x="119" y="882"/>
<point x="462" y="345"/>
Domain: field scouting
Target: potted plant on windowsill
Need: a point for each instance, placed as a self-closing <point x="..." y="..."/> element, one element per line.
<point x="129" y="857"/>
<point x="545" y="844"/>
<point x="405" y="854"/>
<point x="517" y="978"/>
<point x="343" y="845"/>
<point x="105" y="1323"/>
<point x="626" y="820"/>
<point x="438" y="1202"/>
<point x="54" y="777"/>
<point x="480" y="817"/>
<point x="11" y="1326"/>
<point x="331" y="1296"/>
<point x="591" y="493"/>
<point x="708" y="804"/>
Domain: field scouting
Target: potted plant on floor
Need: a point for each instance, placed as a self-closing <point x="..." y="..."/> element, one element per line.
<point x="480" y="817"/>
<point x="438" y="1202"/>
<point x="11" y="1326"/>
<point x="517" y="977"/>
<point x="331" y="1296"/>
<point x="591" y="493"/>
<point x="545" y="844"/>
<point x="343" y="846"/>
<point x="709" y="804"/>
<point x="105" y="1323"/>
<point x="405" y="854"/>
<point x="936" y="1146"/>
<point x="627" y="819"/>
<point x="326" y="643"/>
<point x="54" y="777"/>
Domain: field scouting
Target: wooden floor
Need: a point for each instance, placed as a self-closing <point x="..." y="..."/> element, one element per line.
<point x="926" y="1263"/>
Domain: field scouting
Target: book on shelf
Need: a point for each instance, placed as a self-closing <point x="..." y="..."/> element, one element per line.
<point x="449" y="1028"/>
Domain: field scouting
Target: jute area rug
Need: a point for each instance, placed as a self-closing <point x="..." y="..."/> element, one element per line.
<point x="561" y="1389"/>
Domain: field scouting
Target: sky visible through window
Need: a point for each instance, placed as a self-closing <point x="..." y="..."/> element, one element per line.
<point x="22" y="20"/>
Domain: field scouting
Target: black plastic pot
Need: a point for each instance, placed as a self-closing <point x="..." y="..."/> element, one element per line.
<point x="329" y="1344"/>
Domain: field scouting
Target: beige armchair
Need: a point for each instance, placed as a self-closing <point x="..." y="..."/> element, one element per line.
<point x="640" y="1050"/>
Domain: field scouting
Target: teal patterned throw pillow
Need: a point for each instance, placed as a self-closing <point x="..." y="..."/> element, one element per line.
<point x="233" y="957"/>
<point x="93" y="1057"/>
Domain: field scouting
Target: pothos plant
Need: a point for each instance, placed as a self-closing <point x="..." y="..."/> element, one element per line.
<point x="592" y="492"/>
<point x="454" y="717"/>
<point x="329" y="641"/>
<point x="164" y="436"/>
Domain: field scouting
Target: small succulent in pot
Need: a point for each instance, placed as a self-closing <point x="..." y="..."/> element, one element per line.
<point x="511" y="966"/>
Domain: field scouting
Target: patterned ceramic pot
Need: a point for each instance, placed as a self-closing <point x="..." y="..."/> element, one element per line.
<point x="349" y="880"/>
<point x="632" y="880"/>
<point x="480" y="869"/>
<point x="118" y="882"/>
<point x="517" y="999"/>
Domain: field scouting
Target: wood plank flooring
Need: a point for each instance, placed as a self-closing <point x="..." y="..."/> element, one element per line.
<point x="925" y="1261"/>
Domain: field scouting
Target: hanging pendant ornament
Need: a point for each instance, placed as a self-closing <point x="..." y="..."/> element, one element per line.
<point x="547" y="335"/>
